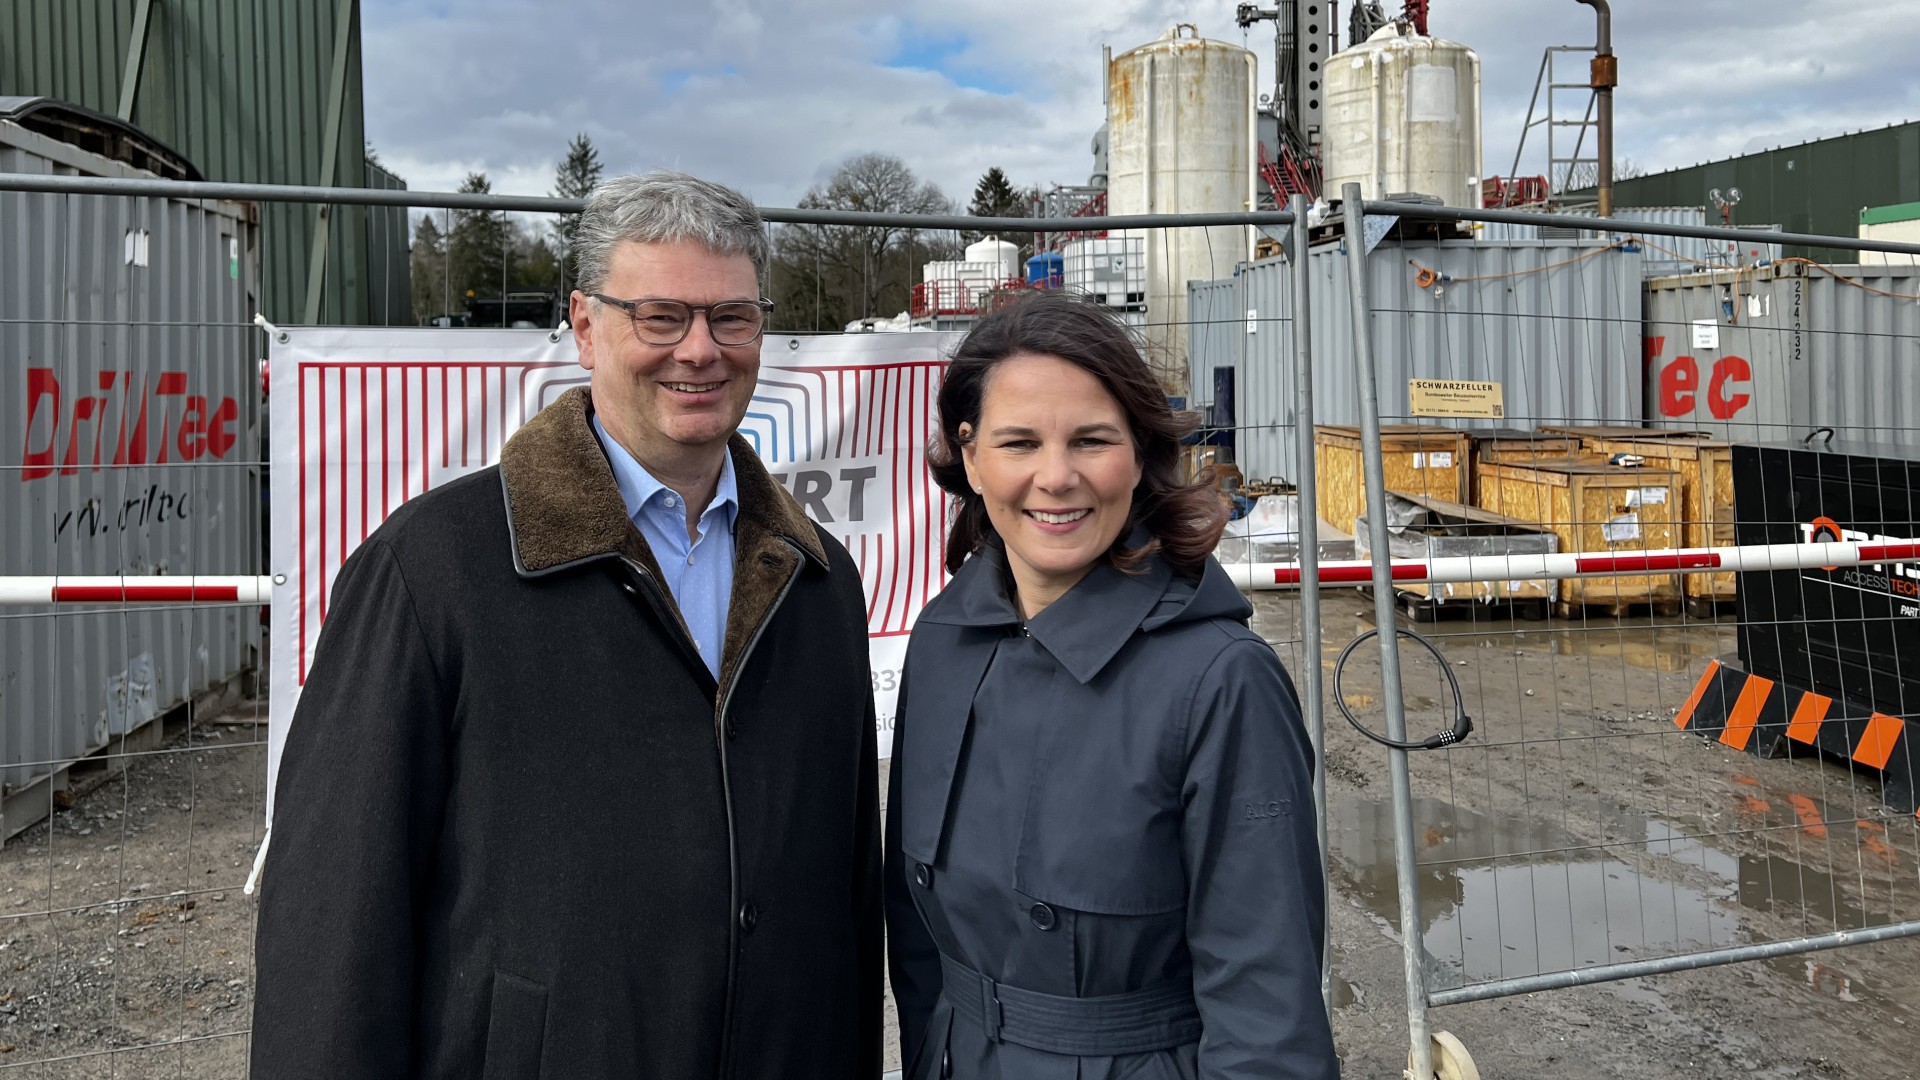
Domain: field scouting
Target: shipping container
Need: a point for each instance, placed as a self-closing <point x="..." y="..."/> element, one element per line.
<point x="249" y="93"/>
<point x="1776" y="352"/>
<point x="1556" y="325"/>
<point x="1664" y="254"/>
<point x="130" y="443"/>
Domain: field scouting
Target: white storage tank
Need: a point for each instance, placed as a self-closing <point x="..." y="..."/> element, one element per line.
<point x="1403" y="115"/>
<point x="1002" y="258"/>
<point x="1111" y="271"/>
<point x="1180" y="121"/>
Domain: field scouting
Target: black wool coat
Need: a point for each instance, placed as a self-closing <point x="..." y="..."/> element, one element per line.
<point x="1102" y="861"/>
<point x="520" y="829"/>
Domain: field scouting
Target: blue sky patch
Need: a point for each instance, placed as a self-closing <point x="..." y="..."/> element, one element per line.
<point x="919" y="50"/>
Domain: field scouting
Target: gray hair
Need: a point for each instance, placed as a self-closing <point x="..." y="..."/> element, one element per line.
<point x="665" y="207"/>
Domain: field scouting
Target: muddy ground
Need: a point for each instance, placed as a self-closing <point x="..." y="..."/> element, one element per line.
<point x="1576" y="827"/>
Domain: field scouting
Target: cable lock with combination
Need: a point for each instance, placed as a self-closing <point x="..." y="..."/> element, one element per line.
<point x="1462" y="723"/>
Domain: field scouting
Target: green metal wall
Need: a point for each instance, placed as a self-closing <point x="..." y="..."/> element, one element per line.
<point x="1817" y="187"/>
<point x="240" y="87"/>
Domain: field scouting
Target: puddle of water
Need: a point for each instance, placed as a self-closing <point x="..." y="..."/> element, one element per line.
<point x="1344" y="993"/>
<point x="1501" y="897"/>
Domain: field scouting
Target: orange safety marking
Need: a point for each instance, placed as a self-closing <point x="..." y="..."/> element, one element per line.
<point x="1807" y="717"/>
<point x="1876" y="746"/>
<point x="1742" y="778"/>
<point x="1873" y="838"/>
<point x="1685" y="716"/>
<point x="1809" y="814"/>
<point x="1746" y="712"/>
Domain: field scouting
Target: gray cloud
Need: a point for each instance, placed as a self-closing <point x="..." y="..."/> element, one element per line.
<point x="769" y="96"/>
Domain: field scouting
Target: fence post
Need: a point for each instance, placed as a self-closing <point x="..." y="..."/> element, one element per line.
<point x="1383" y="610"/>
<point x="1308" y="531"/>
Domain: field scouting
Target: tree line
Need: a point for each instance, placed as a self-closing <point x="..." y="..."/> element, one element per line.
<point x="822" y="277"/>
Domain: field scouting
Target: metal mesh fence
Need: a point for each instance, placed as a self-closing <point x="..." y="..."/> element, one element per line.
<point x="1652" y="777"/>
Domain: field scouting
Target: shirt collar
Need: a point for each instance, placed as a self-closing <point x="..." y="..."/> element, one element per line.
<point x="638" y="487"/>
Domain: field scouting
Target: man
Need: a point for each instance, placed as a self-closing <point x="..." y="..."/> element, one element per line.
<point x="582" y="781"/>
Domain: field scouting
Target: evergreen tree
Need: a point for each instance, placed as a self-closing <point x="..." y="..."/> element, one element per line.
<point x="479" y="248"/>
<point x="427" y="267"/>
<point x="995" y="196"/>
<point x="574" y="178"/>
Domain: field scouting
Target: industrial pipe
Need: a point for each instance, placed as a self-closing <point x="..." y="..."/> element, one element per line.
<point x="1605" y="76"/>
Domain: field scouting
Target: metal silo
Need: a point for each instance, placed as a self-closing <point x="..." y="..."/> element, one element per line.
<point x="1180" y="117"/>
<point x="1403" y="115"/>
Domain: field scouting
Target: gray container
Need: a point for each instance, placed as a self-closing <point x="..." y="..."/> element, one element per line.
<point x="1664" y="254"/>
<point x="1557" y="324"/>
<point x="109" y="305"/>
<point x="1773" y="353"/>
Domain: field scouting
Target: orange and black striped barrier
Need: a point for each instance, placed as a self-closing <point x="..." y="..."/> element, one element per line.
<point x="1771" y="719"/>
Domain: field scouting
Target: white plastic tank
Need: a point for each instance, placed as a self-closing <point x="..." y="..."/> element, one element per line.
<point x="1003" y="257"/>
<point x="1403" y="115"/>
<point x="1180" y="123"/>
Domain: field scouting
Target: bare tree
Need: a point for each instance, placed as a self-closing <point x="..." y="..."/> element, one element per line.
<point x="828" y="275"/>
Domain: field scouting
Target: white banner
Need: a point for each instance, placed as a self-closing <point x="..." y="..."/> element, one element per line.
<point x="364" y="419"/>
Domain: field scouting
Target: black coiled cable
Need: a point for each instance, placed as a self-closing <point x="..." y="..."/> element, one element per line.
<point x="1462" y="723"/>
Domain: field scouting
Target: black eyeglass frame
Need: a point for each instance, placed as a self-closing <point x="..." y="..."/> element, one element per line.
<point x="631" y="307"/>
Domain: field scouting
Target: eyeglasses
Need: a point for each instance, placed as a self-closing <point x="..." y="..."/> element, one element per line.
<point x="666" y="322"/>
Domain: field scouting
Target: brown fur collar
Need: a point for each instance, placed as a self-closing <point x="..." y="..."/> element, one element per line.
<point x="563" y="506"/>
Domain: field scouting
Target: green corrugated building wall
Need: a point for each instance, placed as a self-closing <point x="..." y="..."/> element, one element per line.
<point x="1816" y="187"/>
<point x="250" y="91"/>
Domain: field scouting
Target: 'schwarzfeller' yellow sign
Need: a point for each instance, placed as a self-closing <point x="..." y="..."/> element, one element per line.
<point x="1453" y="397"/>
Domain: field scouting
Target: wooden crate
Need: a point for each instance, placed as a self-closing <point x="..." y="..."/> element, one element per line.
<point x="1593" y="436"/>
<point x="1517" y="446"/>
<point x="1442" y="528"/>
<point x="1706" y="502"/>
<point x="1595" y="508"/>
<point x="1418" y="458"/>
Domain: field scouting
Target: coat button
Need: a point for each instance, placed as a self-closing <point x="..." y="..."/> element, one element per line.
<point x="921" y="875"/>
<point x="1042" y="917"/>
<point x="749" y="917"/>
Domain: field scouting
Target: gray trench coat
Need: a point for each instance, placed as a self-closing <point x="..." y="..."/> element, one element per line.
<point x="1101" y="857"/>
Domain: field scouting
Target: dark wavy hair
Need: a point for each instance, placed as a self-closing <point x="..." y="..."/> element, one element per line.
<point x="1183" y="520"/>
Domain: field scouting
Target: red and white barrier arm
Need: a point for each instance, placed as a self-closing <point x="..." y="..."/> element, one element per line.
<point x="243" y="589"/>
<point x="1461" y="568"/>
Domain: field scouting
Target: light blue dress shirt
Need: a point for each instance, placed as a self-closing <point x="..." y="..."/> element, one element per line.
<point x="700" y="574"/>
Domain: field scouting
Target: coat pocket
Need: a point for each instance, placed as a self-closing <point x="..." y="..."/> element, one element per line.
<point x="516" y="1028"/>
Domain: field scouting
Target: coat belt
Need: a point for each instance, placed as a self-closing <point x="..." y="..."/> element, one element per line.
<point x="1155" y="1018"/>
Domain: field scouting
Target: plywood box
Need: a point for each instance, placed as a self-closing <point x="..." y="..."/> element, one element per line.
<point x="1596" y="508"/>
<point x="1705" y="467"/>
<point x="1437" y="528"/>
<point x="1519" y="447"/>
<point x="1593" y="436"/>
<point x="1420" y="459"/>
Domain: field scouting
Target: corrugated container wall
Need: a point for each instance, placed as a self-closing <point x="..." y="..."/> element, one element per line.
<point x="1773" y="353"/>
<point x="240" y="88"/>
<point x="1665" y="254"/>
<point x="129" y="443"/>
<point x="1558" y="325"/>
<point x="1816" y="187"/>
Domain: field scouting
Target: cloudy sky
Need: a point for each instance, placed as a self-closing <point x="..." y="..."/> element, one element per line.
<point x="770" y="95"/>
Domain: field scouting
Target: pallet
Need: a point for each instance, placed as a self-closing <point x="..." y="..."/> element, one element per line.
<point x="67" y="782"/>
<point x="1661" y="609"/>
<point x="1423" y="609"/>
<point x="1709" y="608"/>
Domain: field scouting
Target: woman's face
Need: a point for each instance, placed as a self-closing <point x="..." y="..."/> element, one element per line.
<point x="1054" y="460"/>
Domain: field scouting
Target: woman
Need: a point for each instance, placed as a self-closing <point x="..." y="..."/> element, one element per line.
<point x="1101" y="854"/>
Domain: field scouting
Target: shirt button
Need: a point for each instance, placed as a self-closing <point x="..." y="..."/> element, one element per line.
<point x="749" y="918"/>
<point x="922" y="876"/>
<point x="1042" y="916"/>
<point x="672" y="502"/>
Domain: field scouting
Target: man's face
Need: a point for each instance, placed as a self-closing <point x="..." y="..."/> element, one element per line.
<point x="662" y="401"/>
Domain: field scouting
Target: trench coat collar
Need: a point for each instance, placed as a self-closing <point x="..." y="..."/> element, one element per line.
<point x="1083" y="630"/>
<point x="564" y="508"/>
